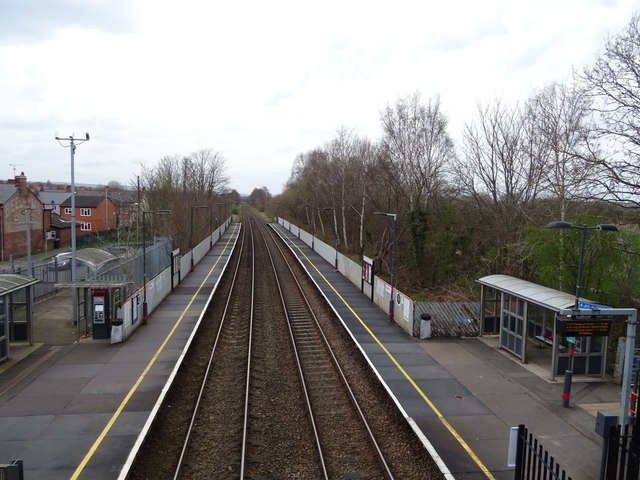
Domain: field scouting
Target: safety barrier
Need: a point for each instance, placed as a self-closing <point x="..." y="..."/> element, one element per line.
<point x="622" y="455"/>
<point x="532" y="461"/>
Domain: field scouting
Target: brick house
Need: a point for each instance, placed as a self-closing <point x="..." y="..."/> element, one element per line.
<point x="15" y="198"/>
<point x="94" y="212"/>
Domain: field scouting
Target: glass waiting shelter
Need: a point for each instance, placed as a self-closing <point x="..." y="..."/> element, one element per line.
<point x="525" y="318"/>
<point x="16" y="309"/>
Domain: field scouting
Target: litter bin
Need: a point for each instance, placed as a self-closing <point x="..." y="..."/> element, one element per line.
<point x="116" y="331"/>
<point x="425" y="326"/>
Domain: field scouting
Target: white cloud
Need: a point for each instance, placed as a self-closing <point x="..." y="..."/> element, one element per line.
<point x="262" y="81"/>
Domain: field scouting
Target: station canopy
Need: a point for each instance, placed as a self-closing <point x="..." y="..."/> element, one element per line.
<point x="94" y="257"/>
<point x="544" y="296"/>
<point x="11" y="282"/>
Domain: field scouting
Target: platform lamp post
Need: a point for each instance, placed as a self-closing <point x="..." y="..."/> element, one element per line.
<point x="568" y="374"/>
<point x="313" y="224"/>
<point x="30" y="272"/>
<point x="335" y="230"/>
<point x="145" y="311"/>
<point x="210" y="207"/>
<point x="219" y="214"/>
<point x="193" y="207"/>
<point x="393" y="216"/>
<point x="27" y="217"/>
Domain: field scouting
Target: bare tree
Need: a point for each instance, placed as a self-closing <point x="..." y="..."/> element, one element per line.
<point x="208" y="172"/>
<point x="614" y="84"/>
<point x="418" y="144"/>
<point x="560" y="119"/>
<point x="501" y="170"/>
<point x="419" y="147"/>
<point x="342" y="151"/>
<point x="180" y="182"/>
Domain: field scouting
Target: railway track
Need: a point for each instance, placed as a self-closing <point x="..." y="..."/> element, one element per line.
<point x="272" y="399"/>
<point x="333" y="408"/>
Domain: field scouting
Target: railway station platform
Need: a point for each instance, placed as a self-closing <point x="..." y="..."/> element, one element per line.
<point x="76" y="410"/>
<point x="463" y="394"/>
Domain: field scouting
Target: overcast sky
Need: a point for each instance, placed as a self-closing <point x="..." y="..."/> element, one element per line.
<point x="262" y="81"/>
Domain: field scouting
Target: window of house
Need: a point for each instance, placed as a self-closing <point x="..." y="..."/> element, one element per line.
<point x="85" y="226"/>
<point x="67" y="210"/>
<point x="85" y="212"/>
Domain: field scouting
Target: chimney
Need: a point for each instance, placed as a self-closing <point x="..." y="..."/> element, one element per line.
<point x="68" y="189"/>
<point x="21" y="182"/>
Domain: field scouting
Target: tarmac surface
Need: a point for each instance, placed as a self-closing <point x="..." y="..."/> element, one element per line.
<point x="78" y="409"/>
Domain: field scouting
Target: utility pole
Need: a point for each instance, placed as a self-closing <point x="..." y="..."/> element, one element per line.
<point x="74" y="292"/>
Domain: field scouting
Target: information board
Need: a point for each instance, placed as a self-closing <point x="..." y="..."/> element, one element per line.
<point x="583" y="327"/>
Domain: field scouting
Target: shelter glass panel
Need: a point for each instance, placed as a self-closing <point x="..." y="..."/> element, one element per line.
<point x="511" y="335"/>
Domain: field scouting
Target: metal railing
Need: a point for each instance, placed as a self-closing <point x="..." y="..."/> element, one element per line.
<point x="533" y="461"/>
<point x="127" y="268"/>
<point x="623" y="454"/>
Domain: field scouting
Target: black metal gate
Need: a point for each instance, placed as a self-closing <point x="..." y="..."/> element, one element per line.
<point x="533" y="461"/>
<point x="623" y="454"/>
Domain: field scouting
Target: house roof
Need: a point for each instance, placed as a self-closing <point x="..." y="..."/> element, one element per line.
<point x="52" y="198"/>
<point x="6" y="191"/>
<point x="544" y="296"/>
<point x="84" y="201"/>
<point x="58" y="222"/>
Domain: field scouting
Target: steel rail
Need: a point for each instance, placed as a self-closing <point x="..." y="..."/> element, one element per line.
<point x="194" y="416"/>
<point x="248" y="382"/>
<point x="298" y="363"/>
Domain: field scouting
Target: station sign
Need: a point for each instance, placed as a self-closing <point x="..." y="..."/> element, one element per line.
<point x="583" y="326"/>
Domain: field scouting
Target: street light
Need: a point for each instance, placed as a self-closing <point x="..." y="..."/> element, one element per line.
<point x="218" y="216"/>
<point x="27" y="215"/>
<point x="568" y="374"/>
<point x="313" y="223"/>
<point x="145" y="314"/>
<point x="193" y="207"/>
<point x="335" y="230"/>
<point x="394" y="216"/>
<point x="583" y="229"/>
<point x="210" y="207"/>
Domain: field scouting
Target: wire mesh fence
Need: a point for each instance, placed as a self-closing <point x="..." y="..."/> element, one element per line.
<point x="129" y="266"/>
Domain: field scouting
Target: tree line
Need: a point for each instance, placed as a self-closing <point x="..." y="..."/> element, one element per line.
<point x="195" y="188"/>
<point x="570" y="152"/>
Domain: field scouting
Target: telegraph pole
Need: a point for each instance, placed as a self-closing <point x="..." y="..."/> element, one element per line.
<point x="74" y="292"/>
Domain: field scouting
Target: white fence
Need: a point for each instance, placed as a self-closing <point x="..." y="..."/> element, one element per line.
<point x="403" y="306"/>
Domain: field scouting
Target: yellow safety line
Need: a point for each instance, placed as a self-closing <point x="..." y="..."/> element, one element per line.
<point x="441" y="417"/>
<point x="135" y="386"/>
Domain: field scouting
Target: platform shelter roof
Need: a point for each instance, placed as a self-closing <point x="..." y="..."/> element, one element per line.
<point x="12" y="282"/>
<point x="532" y="292"/>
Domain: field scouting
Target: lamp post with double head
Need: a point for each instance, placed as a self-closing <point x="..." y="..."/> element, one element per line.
<point x="145" y="311"/>
<point x="568" y="374"/>
<point x="394" y="217"/>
